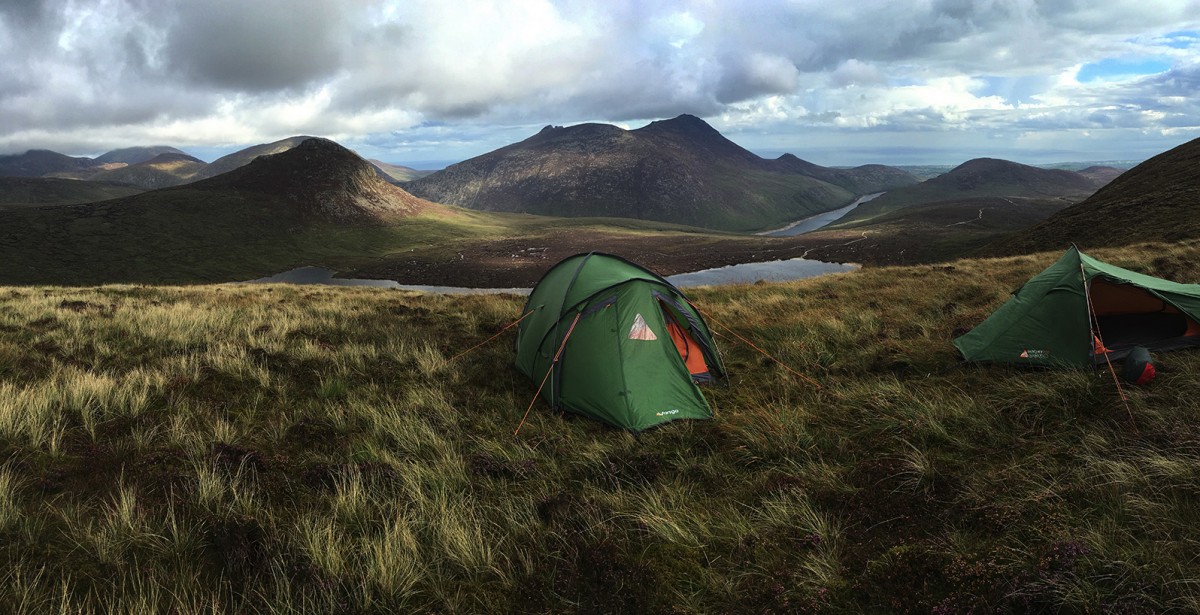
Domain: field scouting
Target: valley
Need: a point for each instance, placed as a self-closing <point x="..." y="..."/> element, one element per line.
<point x="344" y="448"/>
<point x="289" y="203"/>
<point x="599" y="308"/>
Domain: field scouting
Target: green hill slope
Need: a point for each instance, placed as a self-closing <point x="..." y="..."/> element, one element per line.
<point x="1154" y="201"/>
<point x="162" y="171"/>
<point x="320" y="204"/>
<point x="951" y="215"/>
<point x="398" y="173"/>
<point x="39" y="162"/>
<point x="242" y="157"/>
<point x="138" y="155"/>
<point x="982" y="178"/>
<point x="316" y="201"/>
<point x="20" y="192"/>
<point x="929" y="232"/>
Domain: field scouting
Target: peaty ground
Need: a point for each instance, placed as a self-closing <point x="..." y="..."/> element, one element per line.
<point x="288" y="449"/>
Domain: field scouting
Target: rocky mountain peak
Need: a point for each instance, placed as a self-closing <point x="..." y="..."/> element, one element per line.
<point x="323" y="178"/>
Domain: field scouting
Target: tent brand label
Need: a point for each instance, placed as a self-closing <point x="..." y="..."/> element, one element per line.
<point x="641" y="331"/>
<point x="1035" y="354"/>
<point x="667" y="412"/>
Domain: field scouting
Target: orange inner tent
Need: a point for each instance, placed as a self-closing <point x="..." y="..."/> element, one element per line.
<point x="1128" y="314"/>
<point x="688" y="348"/>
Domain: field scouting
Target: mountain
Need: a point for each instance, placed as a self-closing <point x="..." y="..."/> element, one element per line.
<point x="43" y="191"/>
<point x="1154" y="201"/>
<point x="243" y="157"/>
<point x="39" y="162"/>
<point x="136" y="155"/>
<point x="679" y="170"/>
<point x="107" y="168"/>
<point x="866" y="179"/>
<point x="312" y="202"/>
<point x="1102" y="175"/>
<point x="398" y="173"/>
<point x="162" y="171"/>
<point x="322" y="179"/>
<point x="983" y="178"/>
<point x="953" y="214"/>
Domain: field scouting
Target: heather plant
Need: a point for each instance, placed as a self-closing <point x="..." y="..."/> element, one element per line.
<point x="282" y="449"/>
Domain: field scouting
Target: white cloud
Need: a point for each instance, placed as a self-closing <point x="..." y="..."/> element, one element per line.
<point x="81" y="74"/>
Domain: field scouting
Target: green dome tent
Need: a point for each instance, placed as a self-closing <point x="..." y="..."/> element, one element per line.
<point x="1080" y="310"/>
<point x="632" y="346"/>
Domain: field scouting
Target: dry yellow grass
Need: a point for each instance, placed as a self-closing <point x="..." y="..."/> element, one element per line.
<point x="299" y="449"/>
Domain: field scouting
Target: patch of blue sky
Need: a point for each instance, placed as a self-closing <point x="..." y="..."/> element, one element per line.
<point x="1184" y="39"/>
<point x="1114" y="69"/>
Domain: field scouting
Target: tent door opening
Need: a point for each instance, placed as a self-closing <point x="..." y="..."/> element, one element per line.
<point x="1130" y="316"/>
<point x="687" y="346"/>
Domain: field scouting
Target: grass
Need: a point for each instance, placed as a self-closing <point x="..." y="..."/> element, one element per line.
<point x="305" y="449"/>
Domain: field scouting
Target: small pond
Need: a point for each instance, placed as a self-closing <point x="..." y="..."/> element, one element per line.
<point x="749" y="273"/>
<point x="745" y="273"/>
<point x="320" y="275"/>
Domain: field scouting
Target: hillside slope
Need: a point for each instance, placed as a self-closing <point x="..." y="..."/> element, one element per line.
<point x="679" y="170"/>
<point x="1154" y="201"/>
<point x="242" y="157"/>
<point x="398" y="173"/>
<point x="39" y="162"/>
<point x="162" y="171"/>
<point x="137" y="155"/>
<point x="927" y="233"/>
<point x="323" y="179"/>
<point x="42" y="191"/>
<point x="982" y="178"/>
<point x="317" y="198"/>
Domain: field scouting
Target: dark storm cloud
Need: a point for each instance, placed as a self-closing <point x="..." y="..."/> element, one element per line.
<point x="25" y="26"/>
<point x="257" y="46"/>
<point x="29" y="16"/>
<point x="221" y="70"/>
<point x="1182" y="81"/>
<point x="751" y="76"/>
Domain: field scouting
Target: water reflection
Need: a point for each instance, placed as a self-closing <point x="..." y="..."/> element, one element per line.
<point x="748" y="273"/>
<point x="320" y="275"/>
<point x="813" y="223"/>
<point x="745" y="273"/>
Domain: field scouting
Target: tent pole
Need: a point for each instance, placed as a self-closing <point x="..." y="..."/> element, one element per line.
<point x="1094" y="330"/>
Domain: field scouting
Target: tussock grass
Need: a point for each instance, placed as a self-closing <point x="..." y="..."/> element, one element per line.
<point x="296" y="450"/>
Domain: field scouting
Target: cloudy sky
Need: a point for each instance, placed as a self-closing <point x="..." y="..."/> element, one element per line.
<point x="835" y="82"/>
